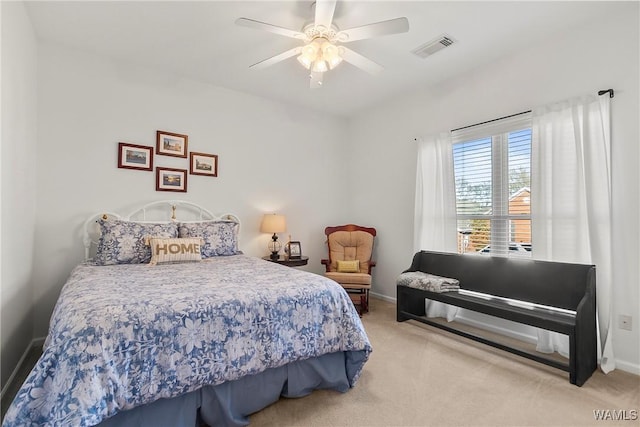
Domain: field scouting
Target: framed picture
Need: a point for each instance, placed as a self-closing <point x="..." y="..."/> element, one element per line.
<point x="132" y="156"/>
<point x="171" y="144"/>
<point x="203" y="164"/>
<point x="294" y="250"/>
<point x="169" y="179"/>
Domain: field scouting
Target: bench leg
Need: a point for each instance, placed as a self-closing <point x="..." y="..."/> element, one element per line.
<point x="582" y="356"/>
<point x="408" y="301"/>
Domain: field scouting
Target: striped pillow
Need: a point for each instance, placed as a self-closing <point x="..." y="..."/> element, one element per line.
<point x="174" y="249"/>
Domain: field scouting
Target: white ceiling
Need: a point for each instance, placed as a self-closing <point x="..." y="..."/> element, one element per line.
<point x="200" y="40"/>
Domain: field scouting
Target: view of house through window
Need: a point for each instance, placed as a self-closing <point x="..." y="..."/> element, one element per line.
<point x="493" y="193"/>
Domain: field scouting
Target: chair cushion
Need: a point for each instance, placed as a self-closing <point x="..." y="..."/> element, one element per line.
<point x="348" y="266"/>
<point x="359" y="279"/>
<point x="350" y="246"/>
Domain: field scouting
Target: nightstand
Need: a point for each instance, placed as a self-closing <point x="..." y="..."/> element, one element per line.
<point x="289" y="262"/>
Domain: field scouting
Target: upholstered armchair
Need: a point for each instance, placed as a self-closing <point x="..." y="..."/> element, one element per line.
<point x="350" y="250"/>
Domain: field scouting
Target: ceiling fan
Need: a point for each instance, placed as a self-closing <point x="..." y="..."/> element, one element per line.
<point x="322" y="49"/>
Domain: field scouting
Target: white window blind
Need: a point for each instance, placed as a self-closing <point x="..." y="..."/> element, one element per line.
<point x="492" y="167"/>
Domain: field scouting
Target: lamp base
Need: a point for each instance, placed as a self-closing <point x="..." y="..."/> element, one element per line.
<point x="274" y="246"/>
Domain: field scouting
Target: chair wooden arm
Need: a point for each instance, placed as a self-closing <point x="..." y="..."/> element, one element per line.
<point x="371" y="265"/>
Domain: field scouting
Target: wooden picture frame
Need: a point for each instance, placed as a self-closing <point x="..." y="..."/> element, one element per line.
<point x="170" y="179"/>
<point x="131" y="156"/>
<point x="171" y="144"/>
<point x="203" y="164"/>
<point x="294" y="250"/>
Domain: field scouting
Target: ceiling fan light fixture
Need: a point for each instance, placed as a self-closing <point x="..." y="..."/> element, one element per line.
<point x="310" y="50"/>
<point x="320" y="66"/>
<point x="331" y="54"/>
<point x="311" y="53"/>
<point x="320" y="52"/>
<point x="305" y="61"/>
<point x="334" y="62"/>
<point x="320" y="55"/>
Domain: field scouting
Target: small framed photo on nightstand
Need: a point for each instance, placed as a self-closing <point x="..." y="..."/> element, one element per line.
<point x="293" y="250"/>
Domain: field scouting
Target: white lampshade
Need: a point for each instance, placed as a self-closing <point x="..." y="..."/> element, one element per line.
<point x="273" y="223"/>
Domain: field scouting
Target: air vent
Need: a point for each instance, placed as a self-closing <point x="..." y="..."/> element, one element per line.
<point x="433" y="46"/>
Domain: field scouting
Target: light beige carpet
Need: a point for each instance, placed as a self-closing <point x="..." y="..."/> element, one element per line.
<point x="422" y="376"/>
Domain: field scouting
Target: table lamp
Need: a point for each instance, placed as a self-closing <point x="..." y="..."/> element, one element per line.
<point x="273" y="223"/>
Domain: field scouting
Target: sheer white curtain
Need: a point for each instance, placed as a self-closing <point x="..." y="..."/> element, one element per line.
<point x="435" y="206"/>
<point x="571" y="206"/>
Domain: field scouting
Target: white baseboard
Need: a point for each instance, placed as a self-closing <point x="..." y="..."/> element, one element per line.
<point x="632" y="368"/>
<point x="382" y="297"/>
<point x="34" y="342"/>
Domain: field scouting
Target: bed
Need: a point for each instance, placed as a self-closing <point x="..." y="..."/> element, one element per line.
<point x="185" y="343"/>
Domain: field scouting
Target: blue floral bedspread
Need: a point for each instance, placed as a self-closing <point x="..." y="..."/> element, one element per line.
<point x="125" y="335"/>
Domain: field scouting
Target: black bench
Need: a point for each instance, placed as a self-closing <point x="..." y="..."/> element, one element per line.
<point x="552" y="284"/>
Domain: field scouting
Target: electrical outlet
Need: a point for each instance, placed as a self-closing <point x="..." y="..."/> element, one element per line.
<point x="625" y="322"/>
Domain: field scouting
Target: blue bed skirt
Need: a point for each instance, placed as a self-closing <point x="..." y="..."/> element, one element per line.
<point x="230" y="403"/>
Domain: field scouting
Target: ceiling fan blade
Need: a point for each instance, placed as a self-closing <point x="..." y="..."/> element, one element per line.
<point x="324" y="12"/>
<point x="360" y="61"/>
<point x="281" y="57"/>
<point x="315" y="80"/>
<point x="251" y="23"/>
<point x="392" y="26"/>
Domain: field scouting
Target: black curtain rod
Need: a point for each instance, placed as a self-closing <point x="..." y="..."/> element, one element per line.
<point x="489" y="121"/>
<point x="600" y="92"/>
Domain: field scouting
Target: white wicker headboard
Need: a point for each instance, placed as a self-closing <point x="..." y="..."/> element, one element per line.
<point x="160" y="211"/>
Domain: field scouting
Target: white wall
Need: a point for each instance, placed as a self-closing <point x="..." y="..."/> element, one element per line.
<point x="604" y="54"/>
<point x="19" y="107"/>
<point x="272" y="158"/>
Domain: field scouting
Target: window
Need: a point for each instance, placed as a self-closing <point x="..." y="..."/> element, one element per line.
<point x="492" y="168"/>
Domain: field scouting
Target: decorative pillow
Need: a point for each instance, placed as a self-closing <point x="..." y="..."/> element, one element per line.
<point x="220" y="237"/>
<point x="349" y="266"/>
<point x="122" y="242"/>
<point x="428" y="282"/>
<point x="174" y="250"/>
